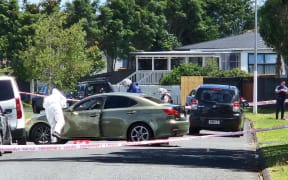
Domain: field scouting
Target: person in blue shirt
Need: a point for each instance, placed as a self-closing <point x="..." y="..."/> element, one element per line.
<point x="281" y="91"/>
<point x="132" y="87"/>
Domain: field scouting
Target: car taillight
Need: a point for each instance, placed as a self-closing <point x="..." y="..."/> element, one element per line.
<point x="18" y="108"/>
<point x="236" y="106"/>
<point x="172" y="112"/>
<point x="194" y="104"/>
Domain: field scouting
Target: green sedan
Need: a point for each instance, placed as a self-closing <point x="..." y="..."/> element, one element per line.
<point x="114" y="116"/>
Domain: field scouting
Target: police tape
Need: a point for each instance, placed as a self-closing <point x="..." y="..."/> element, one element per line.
<point x="40" y="95"/>
<point x="55" y="147"/>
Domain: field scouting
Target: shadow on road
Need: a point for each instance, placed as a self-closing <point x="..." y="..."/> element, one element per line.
<point x="238" y="160"/>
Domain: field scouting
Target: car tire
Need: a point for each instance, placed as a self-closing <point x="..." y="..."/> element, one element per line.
<point x="139" y="132"/>
<point x="22" y="141"/>
<point x="194" y="131"/>
<point x="40" y="134"/>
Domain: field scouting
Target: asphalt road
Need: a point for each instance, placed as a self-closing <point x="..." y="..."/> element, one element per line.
<point x="211" y="158"/>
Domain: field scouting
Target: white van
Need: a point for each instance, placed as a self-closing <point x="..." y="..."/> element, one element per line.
<point x="11" y="103"/>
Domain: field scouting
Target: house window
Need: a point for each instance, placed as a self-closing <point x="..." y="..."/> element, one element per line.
<point x="176" y="62"/>
<point x="160" y="64"/>
<point x="145" y="64"/>
<point x="234" y="61"/>
<point x="266" y="63"/>
<point x="196" y="60"/>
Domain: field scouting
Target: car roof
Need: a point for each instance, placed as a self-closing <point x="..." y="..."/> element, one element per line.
<point x="121" y="94"/>
<point x="6" y="78"/>
<point x="222" y="86"/>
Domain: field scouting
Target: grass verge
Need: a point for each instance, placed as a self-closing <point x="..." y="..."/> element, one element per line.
<point x="274" y="144"/>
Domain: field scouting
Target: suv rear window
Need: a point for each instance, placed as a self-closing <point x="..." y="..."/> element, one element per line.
<point x="6" y="90"/>
<point x="216" y="95"/>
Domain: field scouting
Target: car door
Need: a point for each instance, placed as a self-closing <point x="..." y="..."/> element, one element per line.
<point x="82" y="120"/>
<point x="118" y="113"/>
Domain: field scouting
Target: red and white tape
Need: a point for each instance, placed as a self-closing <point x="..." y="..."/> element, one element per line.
<point x="40" y="95"/>
<point x="55" y="147"/>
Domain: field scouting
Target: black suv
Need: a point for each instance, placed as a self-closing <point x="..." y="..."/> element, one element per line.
<point x="83" y="89"/>
<point x="216" y="107"/>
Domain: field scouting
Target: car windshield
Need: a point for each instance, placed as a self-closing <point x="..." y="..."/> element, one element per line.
<point x="216" y="95"/>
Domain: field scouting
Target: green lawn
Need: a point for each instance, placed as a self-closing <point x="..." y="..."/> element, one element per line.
<point x="274" y="144"/>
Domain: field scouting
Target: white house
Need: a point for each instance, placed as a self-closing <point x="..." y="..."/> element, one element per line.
<point x="230" y="52"/>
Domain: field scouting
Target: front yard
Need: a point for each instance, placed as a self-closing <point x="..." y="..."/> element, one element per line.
<point x="274" y="144"/>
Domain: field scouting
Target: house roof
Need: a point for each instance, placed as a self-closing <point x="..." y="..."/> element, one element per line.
<point x="244" y="41"/>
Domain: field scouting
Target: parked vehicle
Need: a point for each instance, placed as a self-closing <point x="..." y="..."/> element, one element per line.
<point x="5" y="132"/>
<point x="113" y="116"/>
<point x="83" y="89"/>
<point x="11" y="104"/>
<point x="216" y="107"/>
<point x="37" y="101"/>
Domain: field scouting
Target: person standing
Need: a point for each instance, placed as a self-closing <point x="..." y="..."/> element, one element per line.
<point x="133" y="87"/>
<point x="53" y="105"/>
<point x="165" y="96"/>
<point x="281" y="91"/>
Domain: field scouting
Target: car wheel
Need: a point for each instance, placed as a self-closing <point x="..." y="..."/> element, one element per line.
<point x="194" y="131"/>
<point x="40" y="134"/>
<point x="139" y="132"/>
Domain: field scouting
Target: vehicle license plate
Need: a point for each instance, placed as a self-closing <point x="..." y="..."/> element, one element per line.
<point x="214" y="122"/>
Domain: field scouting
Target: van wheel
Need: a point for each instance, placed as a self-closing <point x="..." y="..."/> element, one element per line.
<point x="194" y="131"/>
<point x="22" y="141"/>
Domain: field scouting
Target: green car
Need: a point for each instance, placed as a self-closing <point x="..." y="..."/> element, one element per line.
<point x="114" y="116"/>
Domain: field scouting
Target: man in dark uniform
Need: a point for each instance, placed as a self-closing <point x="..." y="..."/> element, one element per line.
<point x="281" y="91"/>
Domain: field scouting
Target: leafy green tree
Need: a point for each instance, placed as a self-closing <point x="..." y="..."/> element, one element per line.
<point x="224" y="18"/>
<point x="84" y="10"/>
<point x="131" y="25"/>
<point x="185" y="20"/>
<point x="57" y="55"/>
<point x="273" y="25"/>
<point x="13" y="33"/>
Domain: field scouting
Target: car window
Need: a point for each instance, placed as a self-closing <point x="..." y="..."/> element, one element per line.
<point x="89" y="104"/>
<point x="153" y="99"/>
<point x="216" y="95"/>
<point x="6" y="90"/>
<point x="119" y="102"/>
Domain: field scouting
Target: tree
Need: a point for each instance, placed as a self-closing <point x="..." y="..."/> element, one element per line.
<point x="57" y="55"/>
<point x="11" y="40"/>
<point x="224" y="18"/>
<point x="185" y="20"/>
<point x="273" y="25"/>
<point x="84" y="10"/>
<point x="133" y="25"/>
